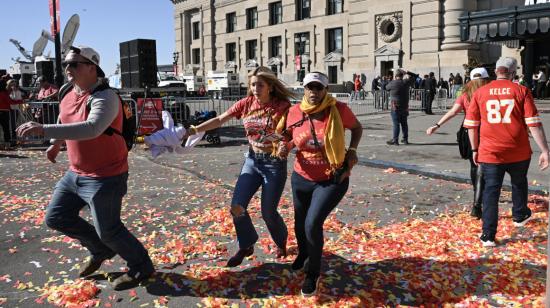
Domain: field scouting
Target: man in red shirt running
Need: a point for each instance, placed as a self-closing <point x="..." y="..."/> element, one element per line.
<point x="499" y="114"/>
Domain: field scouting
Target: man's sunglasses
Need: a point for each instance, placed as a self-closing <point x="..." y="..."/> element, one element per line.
<point x="74" y="64"/>
<point x="314" y="86"/>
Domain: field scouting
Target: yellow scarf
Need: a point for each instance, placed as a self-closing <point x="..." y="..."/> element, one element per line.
<point x="335" y="147"/>
<point x="279" y="130"/>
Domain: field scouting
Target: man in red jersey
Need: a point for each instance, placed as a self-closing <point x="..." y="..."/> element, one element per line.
<point x="498" y="118"/>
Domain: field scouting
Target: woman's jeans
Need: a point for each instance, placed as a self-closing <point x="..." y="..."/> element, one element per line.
<point x="400" y="119"/>
<point x="108" y="236"/>
<point x="493" y="174"/>
<point x="269" y="173"/>
<point x="313" y="202"/>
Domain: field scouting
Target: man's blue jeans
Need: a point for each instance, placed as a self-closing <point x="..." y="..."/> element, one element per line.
<point x="108" y="236"/>
<point x="399" y="119"/>
<point x="493" y="175"/>
<point x="313" y="202"/>
<point x="269" y="173"/>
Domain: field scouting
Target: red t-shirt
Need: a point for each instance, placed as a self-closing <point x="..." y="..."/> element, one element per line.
<point x="6" y="101"/>
<point x="99" y="157"/>
<point x="504" y="110"/>
<point x="259" y="120"/>
<point x="463" y="102"/>
<point x="45" y="92"/>
<point x="310" y="162"/>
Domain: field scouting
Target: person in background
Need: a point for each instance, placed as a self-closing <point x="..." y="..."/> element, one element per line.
<point x="15" y="92"/>
<point x="499" y="118"/>
<point x="321" y="169"/>
<point x="540" y="79"/>
<point x="375" y="84"/>
<point x="47" y="91"/>
<point x="429" y="86"/>
<point x="457" y="84"/>
<point x="7" y="115"/>
<point x="265" y="107"/>
<point x="399" y="101"/>
<point x="357" y="86"/>
<point x="478" y="78"/>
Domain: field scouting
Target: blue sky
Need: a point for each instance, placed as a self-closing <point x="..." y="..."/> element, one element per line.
<point x="103" y="25"/>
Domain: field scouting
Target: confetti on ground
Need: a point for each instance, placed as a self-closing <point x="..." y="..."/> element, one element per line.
<point x="186" y="227"/>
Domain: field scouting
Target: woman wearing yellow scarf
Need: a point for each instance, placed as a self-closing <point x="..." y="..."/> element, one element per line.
<point x="321" y="169"/>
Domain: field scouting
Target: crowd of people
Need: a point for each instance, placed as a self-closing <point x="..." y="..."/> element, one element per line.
<point x="497" y="115"/>
<point x="13" y="107"/>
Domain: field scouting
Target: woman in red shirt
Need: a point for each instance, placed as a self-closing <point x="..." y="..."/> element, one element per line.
<point x="261" y="111"/>
<point x="6" y="118"/>
<point x="321" y="169"/>
<point x="478" y="78"/>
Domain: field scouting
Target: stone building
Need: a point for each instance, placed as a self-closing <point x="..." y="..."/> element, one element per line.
<point x="338" y="37"/>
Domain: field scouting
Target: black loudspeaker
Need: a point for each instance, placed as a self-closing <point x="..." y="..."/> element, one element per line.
<point x="26" y="80"/>
<point x="138" y="61"/>
<point x="45" y="68"/>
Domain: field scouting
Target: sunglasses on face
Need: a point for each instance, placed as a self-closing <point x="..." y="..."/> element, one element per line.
<point x="314" y="87"/>
<point x="74" y="64"/>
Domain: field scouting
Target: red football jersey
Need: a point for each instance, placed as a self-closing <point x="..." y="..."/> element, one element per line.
<point x="504" y="110"/>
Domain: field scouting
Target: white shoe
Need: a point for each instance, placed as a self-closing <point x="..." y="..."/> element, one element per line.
<point x="524" y="221"/>
<point x="488" y="243"/>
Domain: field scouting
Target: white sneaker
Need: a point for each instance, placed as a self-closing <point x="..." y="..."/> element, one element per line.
<point x="524" y="221"/>
<point x="487" y="241"/>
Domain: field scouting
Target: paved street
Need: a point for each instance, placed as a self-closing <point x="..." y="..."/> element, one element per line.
<point x="402" y="235"/>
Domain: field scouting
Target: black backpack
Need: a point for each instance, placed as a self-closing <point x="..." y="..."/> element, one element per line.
<point x="128" y="121"/>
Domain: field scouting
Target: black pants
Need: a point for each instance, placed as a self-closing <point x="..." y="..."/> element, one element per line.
<point x="5" y="120"/>
<point x="313" y="202"/>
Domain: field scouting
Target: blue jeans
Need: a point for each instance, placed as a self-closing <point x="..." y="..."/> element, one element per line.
<point x="400" y="119"/>
<point x="313" y="202"/>
<point x="269" y="173"/>
<point x="493" y="175"/>
<point x="108" y="236"/>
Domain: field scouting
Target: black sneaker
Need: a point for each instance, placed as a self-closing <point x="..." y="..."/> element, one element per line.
<point x="487" y="241"/>
<point x="238" y="258"/>
<point x="522" y="222"/>
<point x="476" y="211"/>
<point x="299" y="263"/>
<point x="92" y="265"/>
<point x="405" y="141"/>
<point x="392" y="142"/>
<point x="128" y="281"/>
<point x="311" y="284"/>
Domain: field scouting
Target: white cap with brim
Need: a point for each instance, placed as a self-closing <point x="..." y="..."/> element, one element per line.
<point x="316" y="77"/>
<point x="90" y="54"/>
<point x="480" y="72"/>
<point x="508" y="63"/>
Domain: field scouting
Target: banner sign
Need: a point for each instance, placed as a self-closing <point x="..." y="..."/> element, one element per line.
<point x="151" y="120"/>
<point x="53" y="29"/>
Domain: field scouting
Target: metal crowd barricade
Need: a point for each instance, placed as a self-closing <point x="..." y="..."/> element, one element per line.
<point x="381" y="99"/>
<point x="41" y="112"/>
<point x="417" y="98"/>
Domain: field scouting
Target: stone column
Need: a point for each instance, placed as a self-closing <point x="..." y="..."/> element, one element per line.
<point x="451" y="32"/>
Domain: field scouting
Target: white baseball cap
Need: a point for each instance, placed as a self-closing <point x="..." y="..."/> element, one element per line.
<point x="316" y="77"/>
<point x="90" y="54"/>
<point x="480" y="71"/>
<point x="509" y="63"/>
